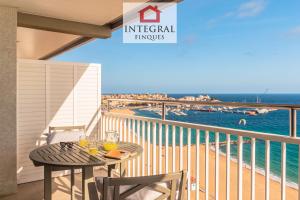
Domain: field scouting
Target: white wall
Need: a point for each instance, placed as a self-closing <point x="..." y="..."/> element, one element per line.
<point x="53" y="94"/>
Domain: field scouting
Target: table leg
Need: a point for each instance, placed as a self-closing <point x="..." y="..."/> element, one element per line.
<point x="88" y="183"/>
<point x="110" y="168"/>
<point x="122" y="169"/>
<point x="72" y="184"/>
<point x="47" y="183"/>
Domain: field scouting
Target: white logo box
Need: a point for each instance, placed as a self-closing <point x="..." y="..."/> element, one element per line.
<point x="149" y="22"/>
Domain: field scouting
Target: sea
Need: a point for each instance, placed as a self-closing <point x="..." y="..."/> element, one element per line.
<point x="275" y="122"/>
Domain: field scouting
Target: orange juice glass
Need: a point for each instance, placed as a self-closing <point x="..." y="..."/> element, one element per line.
<point x="93" y="149"/>
<point x="83" y="142"/>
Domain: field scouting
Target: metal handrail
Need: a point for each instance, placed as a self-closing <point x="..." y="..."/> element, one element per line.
<point x="231" y="131"/>
<point x="292" y="108"/>
<point x="233" y="104"/>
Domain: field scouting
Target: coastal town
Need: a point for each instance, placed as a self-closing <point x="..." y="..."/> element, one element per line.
<point x="117" y="102"/>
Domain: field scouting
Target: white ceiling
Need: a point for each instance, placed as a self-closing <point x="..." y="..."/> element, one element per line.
<point x="96" y="12"/>
<point x="34" y="44"/>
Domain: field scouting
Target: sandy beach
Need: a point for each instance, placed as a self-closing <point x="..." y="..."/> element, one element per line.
<point x="275" y="186"/>
<point x="123" y="111"/>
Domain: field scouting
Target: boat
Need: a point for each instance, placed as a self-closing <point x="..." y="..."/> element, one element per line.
<point x="182" y="113"/>
<point x="251" y="113"/>
<point x="178" y="112"/>
<point x="158" y="112"/>
<point x="262" y="110"/>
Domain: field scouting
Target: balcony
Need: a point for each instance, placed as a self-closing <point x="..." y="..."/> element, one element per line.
<point x="222" y="163"/>
<point x="203" y="150"/>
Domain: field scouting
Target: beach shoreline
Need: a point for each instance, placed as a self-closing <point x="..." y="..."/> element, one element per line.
<point x="261" y="171"/>
<point x="275" y="185"/>
<point x="275" y="182"/>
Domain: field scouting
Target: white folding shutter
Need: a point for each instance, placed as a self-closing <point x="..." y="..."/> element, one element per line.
<point x="31" y="119"/>
<point x="86" y="96"/>
<point x="59" y="94"/>
<point x="56" y="94"/>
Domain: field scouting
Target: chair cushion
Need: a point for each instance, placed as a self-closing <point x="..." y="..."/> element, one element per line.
<point x="64" y="136"/>
<point x="145" y="193"/>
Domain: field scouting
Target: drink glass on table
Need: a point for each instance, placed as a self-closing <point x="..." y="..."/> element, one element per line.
<point x="92" y="146"/>
<point x="83" y="142"/>
<point x="111" y="140"/>
<point x="93" y="149"/>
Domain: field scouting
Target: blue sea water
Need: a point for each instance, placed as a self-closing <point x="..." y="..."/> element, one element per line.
<point x="276" y="122"/>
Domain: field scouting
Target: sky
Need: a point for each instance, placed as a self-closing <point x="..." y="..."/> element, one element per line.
<point x="222" y="47"/>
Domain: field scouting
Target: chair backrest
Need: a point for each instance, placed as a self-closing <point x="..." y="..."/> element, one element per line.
<point x="66" y="128"/>
<point x="151" y="182"/>
<point x="65" y="134"/>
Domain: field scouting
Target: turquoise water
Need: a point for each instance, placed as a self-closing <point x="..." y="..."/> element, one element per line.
<point x="276" y="122"/>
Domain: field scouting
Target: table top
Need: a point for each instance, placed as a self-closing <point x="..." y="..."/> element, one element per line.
<point x="78" y="156"/>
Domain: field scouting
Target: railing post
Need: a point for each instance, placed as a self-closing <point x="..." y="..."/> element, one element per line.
<point x="163" y="113"/>
<point x="293" y="122"/>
